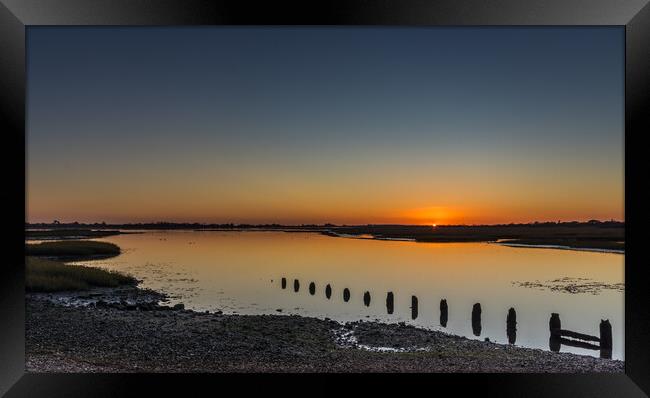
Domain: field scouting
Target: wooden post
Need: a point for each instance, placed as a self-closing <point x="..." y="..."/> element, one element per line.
<point x="328" y="291"/>
<point x="284" y="283"/>
<point x="366" y="298"/>
<point x="390" y="300"/>
<point x="414" y="307"/>
<point x="296" y="285"/>
<point x="346" y="294"/>
<point x="511" y="326"/>
<point x="444" y="310"/>
<point x="555" y="325"/>
<point x="605" y="335"/>
<point x="476" y="319"/>
<point x="312" y="288"/>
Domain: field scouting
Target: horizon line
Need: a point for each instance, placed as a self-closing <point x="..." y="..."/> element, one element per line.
<point x="325" y="224"/>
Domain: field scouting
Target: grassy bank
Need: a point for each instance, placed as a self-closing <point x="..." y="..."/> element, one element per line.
<point x="69" y="233"/>
<point x="72" y="248"/>
<point x="43" y="275"/>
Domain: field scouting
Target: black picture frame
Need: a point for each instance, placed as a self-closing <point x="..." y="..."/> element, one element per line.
<point x="17" y="15"/>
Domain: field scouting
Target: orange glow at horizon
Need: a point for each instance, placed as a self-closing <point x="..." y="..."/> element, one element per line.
<point x="437" y="215"/>
<point x="366" y="191"/>
<point x="433" y="216"/>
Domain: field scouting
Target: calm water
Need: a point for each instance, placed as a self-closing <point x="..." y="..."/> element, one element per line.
<point x="240" y="272"/>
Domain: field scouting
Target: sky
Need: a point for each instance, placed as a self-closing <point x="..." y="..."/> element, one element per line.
<point x="347" y="125"/>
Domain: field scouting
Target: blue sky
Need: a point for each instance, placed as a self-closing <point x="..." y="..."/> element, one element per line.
<point x="185" y="114"/>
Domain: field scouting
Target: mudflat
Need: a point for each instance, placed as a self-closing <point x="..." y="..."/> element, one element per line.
<point x="132" y="333"/>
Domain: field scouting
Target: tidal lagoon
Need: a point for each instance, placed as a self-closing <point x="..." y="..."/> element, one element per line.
<point x="465" y="289"/>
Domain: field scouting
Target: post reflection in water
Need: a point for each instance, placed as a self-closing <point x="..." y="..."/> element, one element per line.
<point x="312" y="288"/>
<point x="328" y="291"/>
<point x="476" y="319"/>
<point x="284" y="283"/>
<point x="296" y="285"/>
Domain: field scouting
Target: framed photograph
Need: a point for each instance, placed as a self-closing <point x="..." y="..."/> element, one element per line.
<point x="226" y="193"/>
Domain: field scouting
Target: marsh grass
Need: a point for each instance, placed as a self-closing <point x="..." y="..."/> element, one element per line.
<point x="69" y="233"/>
<point x="72" y="248"/>
<point x="43" y="275"/>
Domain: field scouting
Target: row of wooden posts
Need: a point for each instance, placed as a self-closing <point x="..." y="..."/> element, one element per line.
<point x="511" y="319"/>
<point x="558" y="336"/>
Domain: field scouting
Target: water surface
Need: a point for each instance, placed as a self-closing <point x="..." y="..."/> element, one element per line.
<point x="241" y="272"/>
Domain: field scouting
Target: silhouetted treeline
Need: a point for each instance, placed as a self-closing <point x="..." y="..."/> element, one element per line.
<point x="173" y="225"/>
<point x="368" y="228"/>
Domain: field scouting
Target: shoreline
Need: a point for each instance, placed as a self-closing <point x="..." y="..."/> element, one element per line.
<point x="414" y="240"/>
<point x="559" y="247"/>
<point x="132" y="332"/>
<point x="588" y="243"/>
<point x="364" y="236"/>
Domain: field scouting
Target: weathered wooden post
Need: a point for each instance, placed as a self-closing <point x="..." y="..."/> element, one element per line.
<point x="312" y="288"/>
<point x="366" y="298"/>
<point x="511" y="326"/>
<point x="346" y="294"/>
<point x="443" y="313"/>
<point x="605" y="339"/>
<point x="476" y="319"/>
<point x="605" y="334"/>
<point x="296" y="285"/>
<point x="284" y="283"/>
<point x="414" y="307"/>
<point x="555" y="325"/>
<point x="390" y="300"/>
<point x="328" y="291"/>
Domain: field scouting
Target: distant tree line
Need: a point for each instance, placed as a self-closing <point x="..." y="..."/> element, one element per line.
<point x="196" y="225"/>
